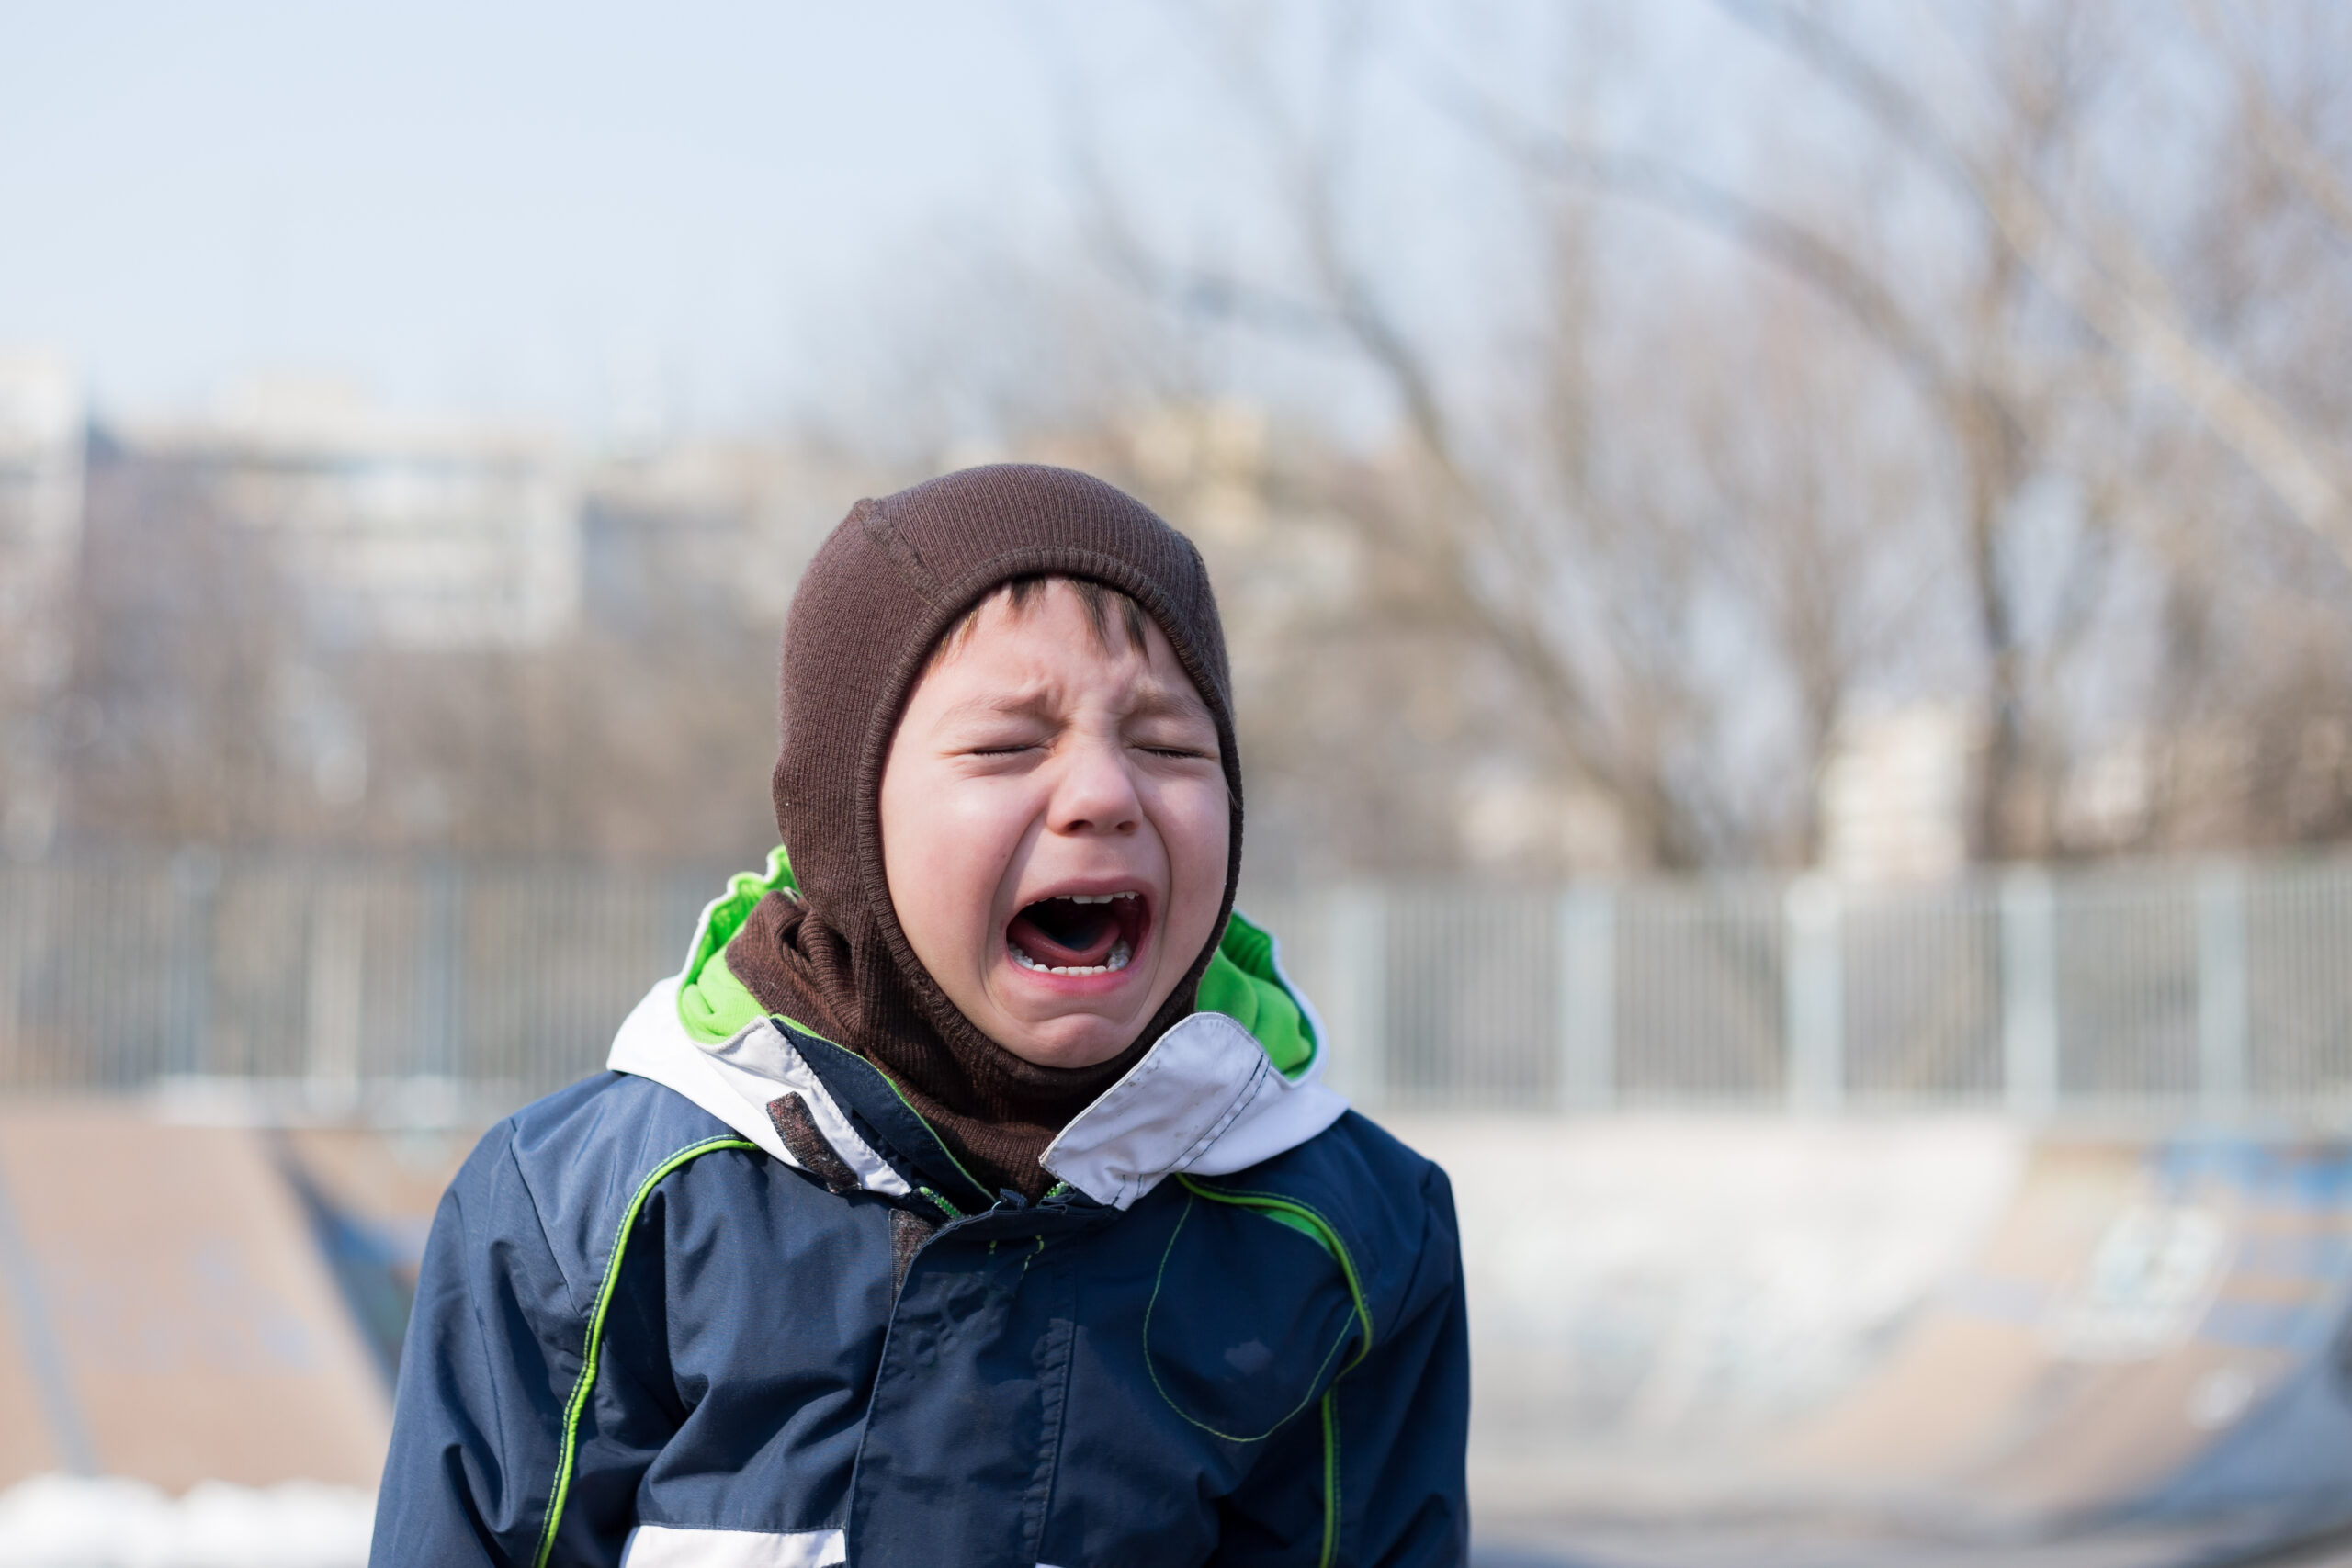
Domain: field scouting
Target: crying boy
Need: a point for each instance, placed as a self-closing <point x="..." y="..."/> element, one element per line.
<point x="972" y="1198"/>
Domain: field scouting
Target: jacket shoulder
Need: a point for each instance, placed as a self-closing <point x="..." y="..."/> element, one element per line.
<point x="575" y="1165"/>
<point x="1362" y="1169"/>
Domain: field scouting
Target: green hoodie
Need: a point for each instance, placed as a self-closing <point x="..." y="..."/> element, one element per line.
<point x="1242" y="981"/>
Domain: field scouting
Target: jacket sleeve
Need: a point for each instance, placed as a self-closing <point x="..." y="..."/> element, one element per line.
<point x="1373" y="1477"/>
<point x="477" y="1416"/>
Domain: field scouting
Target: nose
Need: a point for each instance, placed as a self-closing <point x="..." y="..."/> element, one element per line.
<point x="1096" y="792"/>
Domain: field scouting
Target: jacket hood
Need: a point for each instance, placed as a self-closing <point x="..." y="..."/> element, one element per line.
<point x="1235" y="1083"/>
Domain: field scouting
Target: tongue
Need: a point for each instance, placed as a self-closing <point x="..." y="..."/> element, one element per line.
<point x="1063" y="935"/>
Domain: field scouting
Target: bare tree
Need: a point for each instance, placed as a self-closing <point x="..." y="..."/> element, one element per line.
<point x="1514" y="521"/>
<point x="2055" y="336"/>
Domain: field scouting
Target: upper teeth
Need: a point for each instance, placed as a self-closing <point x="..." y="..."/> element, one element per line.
<point x="1095" y="897"/>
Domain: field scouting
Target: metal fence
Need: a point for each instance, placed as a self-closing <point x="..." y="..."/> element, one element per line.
<point x="2221" y="990"/>
<point x="2218" y="990"/>
<point x="326" y="980"/>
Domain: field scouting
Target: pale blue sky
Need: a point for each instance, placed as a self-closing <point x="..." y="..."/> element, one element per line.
<point x="534" y="209"/>
<point x="701" y="214"/>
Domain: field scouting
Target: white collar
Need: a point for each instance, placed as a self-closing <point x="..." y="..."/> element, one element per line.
<point x="1204" y="1099"/>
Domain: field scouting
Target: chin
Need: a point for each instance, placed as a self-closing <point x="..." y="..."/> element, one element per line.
<point x="1051" y="1047"/>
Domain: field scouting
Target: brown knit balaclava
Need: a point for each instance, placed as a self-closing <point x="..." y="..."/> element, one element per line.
<point x="889" y="582"/>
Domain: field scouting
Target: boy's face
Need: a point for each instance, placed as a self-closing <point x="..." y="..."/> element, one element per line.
<point x="1055" y="829"/>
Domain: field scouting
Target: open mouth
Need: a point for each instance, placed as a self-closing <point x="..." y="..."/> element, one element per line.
<point x="1077" y="933"/>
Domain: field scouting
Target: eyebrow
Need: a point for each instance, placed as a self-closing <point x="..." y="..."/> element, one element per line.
<point x="989" y="706"/>
<point x="1163" y="702"/>
<point x="1154" y="702"/>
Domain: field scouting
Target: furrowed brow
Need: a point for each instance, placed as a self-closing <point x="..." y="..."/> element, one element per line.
<point x="1170" y="701"/>
<point x="1003" y="704"/>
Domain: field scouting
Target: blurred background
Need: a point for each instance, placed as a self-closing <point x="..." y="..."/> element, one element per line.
<point x="1789" y="574"/>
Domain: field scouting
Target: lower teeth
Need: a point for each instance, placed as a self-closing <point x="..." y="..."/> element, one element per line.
<point x="1116" y="960"/>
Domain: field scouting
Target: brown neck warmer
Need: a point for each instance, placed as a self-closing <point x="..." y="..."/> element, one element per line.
<point x="887" y="582"/>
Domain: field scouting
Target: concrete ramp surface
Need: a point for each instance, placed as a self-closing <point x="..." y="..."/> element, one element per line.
<point x="2153" y="1334"/>
<point x="170" y="1313"/>
<point x="1932" y="1342"/>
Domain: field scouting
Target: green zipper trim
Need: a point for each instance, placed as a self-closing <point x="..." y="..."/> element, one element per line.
<point x="978" y="1186"/>
<point x="920" y="1120"/>
<point x="1302" y="1218"/>
<point x="585" y="1384"/>
<point x="1331" y="1481"/>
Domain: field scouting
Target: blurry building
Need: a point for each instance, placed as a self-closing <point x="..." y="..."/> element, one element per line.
<point x="1894" y="796"/>
<point x="707" y="530"/>
<point x="43" y="433"/>
<point x="389" y="531"/>
<point x="302" y="620"/>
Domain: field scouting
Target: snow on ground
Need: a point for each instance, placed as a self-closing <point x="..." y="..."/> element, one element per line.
<point x="59" y="1522"/>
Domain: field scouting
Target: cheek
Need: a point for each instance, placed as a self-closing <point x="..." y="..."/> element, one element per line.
<point x="917" y="856"/>
<point x="1196" y="825"/>
<point x="944" y="851"/>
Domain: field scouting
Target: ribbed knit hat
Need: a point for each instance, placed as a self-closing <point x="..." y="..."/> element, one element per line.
<point x="895" y="575"/>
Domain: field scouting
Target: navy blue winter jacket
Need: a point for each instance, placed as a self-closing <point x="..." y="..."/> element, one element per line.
<point x="735" y="1305"/>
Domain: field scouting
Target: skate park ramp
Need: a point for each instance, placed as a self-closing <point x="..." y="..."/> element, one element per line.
<point x="188" y="1304"/>
<point x="1697" y="1340"/>
<point x="1937" y="1342"/>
